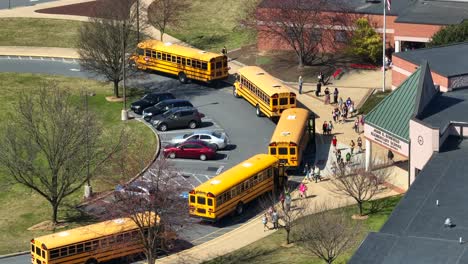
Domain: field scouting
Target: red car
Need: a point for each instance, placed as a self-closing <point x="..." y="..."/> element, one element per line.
<point x="195" y="149"/>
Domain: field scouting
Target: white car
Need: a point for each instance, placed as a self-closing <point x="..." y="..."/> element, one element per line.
<point x="138" y="188"/>
<point x="218" y="139"/>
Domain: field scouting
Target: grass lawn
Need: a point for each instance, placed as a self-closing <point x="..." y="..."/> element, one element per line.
<point x="39" y="32"/>
<point x="22" y="208"/>
<point x="270" y="249"/>
<point x="209" y="25"/>
<point x="372" y="101"/>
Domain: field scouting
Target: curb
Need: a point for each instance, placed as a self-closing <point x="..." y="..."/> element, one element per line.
<point x="14" y="254"/>
<point x="39" y="57"/>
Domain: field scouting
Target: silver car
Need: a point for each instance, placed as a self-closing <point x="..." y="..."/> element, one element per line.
<point x="218" y="139"/>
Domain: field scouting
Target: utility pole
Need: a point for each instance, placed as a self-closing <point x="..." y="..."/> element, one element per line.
<point x="124" y="114"/>
<point x="138" y="20"/>
<point x="88" y="189"/>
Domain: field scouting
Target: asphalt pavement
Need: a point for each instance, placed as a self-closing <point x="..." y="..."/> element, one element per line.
<point x="248" y="134"/>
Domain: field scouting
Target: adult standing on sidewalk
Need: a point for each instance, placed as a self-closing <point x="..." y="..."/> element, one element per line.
<point x="334" y="141"/>
<point x="359" y="144"/>
<point x="287" y="202"/>
<point x="300" y="84"/>
<point x="327" y="96"/>
<point x="274" y="219"/>
<point x="319" y="89"/>
<point x="335" y="96"/>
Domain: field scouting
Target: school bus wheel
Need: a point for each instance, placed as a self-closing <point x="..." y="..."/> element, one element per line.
<point x="182" y="77"/>
<point x="234" y="92"/>
<point x="240" y="208"/>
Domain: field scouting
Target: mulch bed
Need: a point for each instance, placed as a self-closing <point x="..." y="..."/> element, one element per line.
<point x="88" y="9"/>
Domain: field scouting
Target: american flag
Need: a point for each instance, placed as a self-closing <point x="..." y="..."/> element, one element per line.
<point x="389" y="3"/>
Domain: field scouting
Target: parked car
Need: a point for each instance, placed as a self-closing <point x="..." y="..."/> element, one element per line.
<point x="163" y="106"/>
<point x="219" y="139"/>
<point x="195" y="149"/>
<point x="138" y="188"/>
<point x="149" y="100"/>
<point x="180" y="117"/>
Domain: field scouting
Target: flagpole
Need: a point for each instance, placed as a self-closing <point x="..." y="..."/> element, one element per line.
<point x="384" y="42"/>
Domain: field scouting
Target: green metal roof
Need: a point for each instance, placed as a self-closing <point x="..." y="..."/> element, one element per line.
<point x="393" y="113"/>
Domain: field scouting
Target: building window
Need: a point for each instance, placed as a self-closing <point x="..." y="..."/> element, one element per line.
<point x="315" y="34"/>
<point x="341" y="36"/>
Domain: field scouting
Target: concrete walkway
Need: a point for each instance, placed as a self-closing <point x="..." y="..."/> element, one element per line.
<point x="357" y="86"/>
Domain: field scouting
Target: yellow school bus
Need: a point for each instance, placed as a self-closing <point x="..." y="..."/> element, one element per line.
<point x="291" y="136"/>
<point x="267" y="94"/>
<point x="184" y="62"/>
<point x="228" y="192"/>
<point x="89" y="244"/>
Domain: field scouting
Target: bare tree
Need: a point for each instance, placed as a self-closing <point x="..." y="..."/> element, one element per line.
<point x="328" y="233"/>
<point x="287" y="214"/>
<point x="105" y="39"/>
<point x="159" y="215"/>
<point x="355" y="182"/>
<point x="167" y="13"/>
<point x="304" y="26"/>
<point x="45" y="148"/>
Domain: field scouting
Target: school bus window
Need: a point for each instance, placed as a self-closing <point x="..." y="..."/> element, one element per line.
<point x="219" y="64"/>
<point x="199" y="64"/>
<point x="183" y="61"/>
<point x="272" y="151"/>
<point x="38" y="251"/>
<point x="158" y="55"/>
<point x="32" y="247"/>
<point x="292" y="151"/>
<point x="283" y="101"/>
<point x="201" y="200"/>
<point x="72" y="250"/>
<point x="275" y="102"/>
<point x="204" y="66"/>
<point x="189" y="62"/>
<point x="63" y="251"/>
<point x="147" y="53"/>
<point x="54" y="253"/>
<point x="292" y="100"/>
<point x="153" y="54"/>
<point x="192" y="198"/>
<point x="283" y="151"/>
<point x="164" y="56"/>
<point x="119" y="238"/>
<point x="174" y="58"/>
<point x="140" y="52"/>
<point x="210" y="202"/>
<point x="79" y="248"/>
<point x="178" y="60"/>
<point x="225" y="63"/>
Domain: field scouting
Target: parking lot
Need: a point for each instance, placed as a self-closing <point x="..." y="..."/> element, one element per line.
<point x="248" y="135"/>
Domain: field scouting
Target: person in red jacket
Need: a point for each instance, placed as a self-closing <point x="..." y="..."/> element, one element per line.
<point x="334" y="141"/>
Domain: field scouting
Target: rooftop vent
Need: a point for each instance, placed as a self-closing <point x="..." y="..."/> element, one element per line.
<point x="276" y="86"/>
<point x="202" y="52"/>
<point x="285" y="133"/>
<point x="168" y="43"/>
<point x="260" y="73"/>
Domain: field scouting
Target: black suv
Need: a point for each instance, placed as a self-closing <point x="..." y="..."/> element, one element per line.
<point x="149" y="100"/>
<point x="180" y="117"/>
<point x="163" y="106"/>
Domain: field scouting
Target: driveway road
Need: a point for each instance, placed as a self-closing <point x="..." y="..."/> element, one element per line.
<point x="4" y="4"/>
